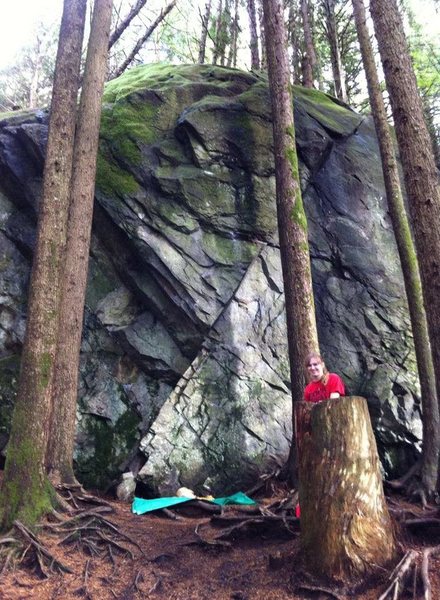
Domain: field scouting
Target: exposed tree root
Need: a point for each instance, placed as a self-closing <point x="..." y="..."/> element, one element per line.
<point x="398" y="576"/>
<point x="38" y="554"/>
<point x="411" y="485"/>
<point x="74" y="495"/>
<point x="265" y="480"/>
<point x="400" y="579"/>
<point x="172" y="515"/>
<point x="8" y="553"/>
<point x="156" y="586"/>
<point x="240" y="521"/>
<point x="313" y="588"/>
<point x="424" y="572"/>
<point x="401" y="483"/>
<point x="215" y="541"/>
<point x="94" y="534"/>
<point x="428" y="521"/>
<point x="83" y="590"/>
<point x="133" y="588"/>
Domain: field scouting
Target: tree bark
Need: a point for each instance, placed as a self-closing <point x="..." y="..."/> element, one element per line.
<point x="263" y="61"/>
<point x="255" y="56"/>
<point x="295" y="42"/>
<point x="346" y="531"/>
<point x="420" y="174"/>
<point x="218" y="28"/>
<point x="60" y="448"/>
<point x="204" y="35"/>
<point x="408" y="258"/>
<point x="232" y="58"/>
<point x="309" y="60"/>
<point x="25" y="492"/>
<point x="292" y="222"/>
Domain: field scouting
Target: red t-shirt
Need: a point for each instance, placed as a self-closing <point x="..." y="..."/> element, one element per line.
<point x="316" y="390"/>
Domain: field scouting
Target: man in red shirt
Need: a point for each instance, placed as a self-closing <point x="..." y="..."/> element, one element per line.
<point x="323" y="385"/>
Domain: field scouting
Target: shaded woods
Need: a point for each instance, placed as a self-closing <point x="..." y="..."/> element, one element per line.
<point x="347" y="539"/>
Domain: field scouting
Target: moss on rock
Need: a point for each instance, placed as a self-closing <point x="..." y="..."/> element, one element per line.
<point x="112" y="444"/>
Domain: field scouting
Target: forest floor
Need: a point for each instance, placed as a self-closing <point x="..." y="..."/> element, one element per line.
<point x="258" y="561"/>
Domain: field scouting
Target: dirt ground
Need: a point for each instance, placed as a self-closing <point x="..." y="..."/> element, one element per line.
<point x="172" y="564"/>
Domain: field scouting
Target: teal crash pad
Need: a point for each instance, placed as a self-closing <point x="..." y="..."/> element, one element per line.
<point x="141" y="506"/>
<point x="238" y="498"/>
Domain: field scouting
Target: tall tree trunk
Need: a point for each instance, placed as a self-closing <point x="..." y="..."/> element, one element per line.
<point x="408" y="258"/>
<point x="130" y="58"/>
<point x="218" y="32"/>
<point x="224" y="35"/>
<point x="37" y="63"/>
<point x="295" y="42"/>
<point x="346" y="530"/>
<point x="25" y="491"/>
<point x="420" y="174"/>
<point x="253" y="44"/>
<point x="309" y="60"/>
<point x="335" y="54"/>
<point x="60" y="449"/>
<point x="263" y="61"/>
<point x="292" y="222"/>
<point x="204" y="35"/>
<point x="232" y="59"/>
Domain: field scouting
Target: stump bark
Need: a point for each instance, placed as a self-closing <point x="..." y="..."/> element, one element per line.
<point x="346" y="530"/>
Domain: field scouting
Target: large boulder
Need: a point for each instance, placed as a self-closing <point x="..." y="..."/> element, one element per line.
<point x="184" y="369"/>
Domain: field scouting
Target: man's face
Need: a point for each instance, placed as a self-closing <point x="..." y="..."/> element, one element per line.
<point x="315" y="369"/>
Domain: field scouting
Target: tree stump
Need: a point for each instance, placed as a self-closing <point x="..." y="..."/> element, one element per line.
<point x="346" y="530"/>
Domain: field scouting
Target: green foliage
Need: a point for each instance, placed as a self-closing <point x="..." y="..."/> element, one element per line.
<point x="425" y="54"/>
<point x="348" y="47"/>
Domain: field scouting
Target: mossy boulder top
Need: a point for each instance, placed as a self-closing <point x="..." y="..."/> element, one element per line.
<point x="184" y="368"/>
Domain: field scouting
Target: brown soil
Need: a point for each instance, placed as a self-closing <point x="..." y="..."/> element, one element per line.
<point x="173" y="565"/>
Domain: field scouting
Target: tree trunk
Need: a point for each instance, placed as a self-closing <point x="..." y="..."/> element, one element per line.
<point x="25" y="492"/>
<point x="335" y="54"/>
<point x="346" y="531"/>
<point x="218" y="31"/>
<point x="420" y="174"/>
<point x="408" y="258"/>
<point x="309" y="60"/>
<point x="60" y="449"/>
<point x="37" y="63"/>
<point x="224" y="33"/>
<point x="255" y="57"/>
<point x="292" y="222"/>
<point x="204" y="35"/>
<point x="232" y="58"/>
<point x="263" y="61"/>
<point x="295" y="42"/>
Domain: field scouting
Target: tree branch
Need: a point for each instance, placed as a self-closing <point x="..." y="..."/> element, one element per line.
<point x="143" y="39"/>
<point x="114" y="37"/>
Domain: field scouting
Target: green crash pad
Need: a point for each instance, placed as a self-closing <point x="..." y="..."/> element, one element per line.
<point x="141" y="506"/>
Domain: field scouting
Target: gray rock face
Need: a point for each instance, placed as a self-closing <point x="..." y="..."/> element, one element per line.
<point x="184" y="371"/>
